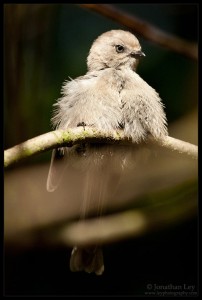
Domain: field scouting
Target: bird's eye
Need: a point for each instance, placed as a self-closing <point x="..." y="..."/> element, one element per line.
<point x="119" y="48"/>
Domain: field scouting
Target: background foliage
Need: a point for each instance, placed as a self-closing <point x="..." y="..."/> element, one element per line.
<point x="43" y="45"/>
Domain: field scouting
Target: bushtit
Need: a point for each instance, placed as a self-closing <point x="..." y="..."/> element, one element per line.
<point x="110" y="96"/>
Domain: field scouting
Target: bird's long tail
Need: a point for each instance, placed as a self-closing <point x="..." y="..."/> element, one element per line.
<point x="88" y="259"/>
<point x="100" y="182"/>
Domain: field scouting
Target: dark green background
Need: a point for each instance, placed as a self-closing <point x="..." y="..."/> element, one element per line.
<point x="43" y="45"/>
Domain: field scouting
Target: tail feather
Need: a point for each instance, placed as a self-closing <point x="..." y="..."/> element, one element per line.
<point x="88" y="259"/>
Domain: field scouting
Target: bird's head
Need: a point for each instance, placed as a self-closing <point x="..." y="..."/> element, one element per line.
<point x="114" y="49"/>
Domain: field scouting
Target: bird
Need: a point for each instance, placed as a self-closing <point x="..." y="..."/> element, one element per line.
<point x="110" y="96"/>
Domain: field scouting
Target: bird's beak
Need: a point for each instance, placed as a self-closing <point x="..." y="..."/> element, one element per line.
<point x="137" y="54"/>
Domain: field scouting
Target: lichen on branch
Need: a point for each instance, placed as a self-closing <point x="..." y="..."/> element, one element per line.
<point x="59" y="138"/>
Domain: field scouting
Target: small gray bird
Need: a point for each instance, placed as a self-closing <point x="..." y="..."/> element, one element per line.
<point x="110" y="96"/>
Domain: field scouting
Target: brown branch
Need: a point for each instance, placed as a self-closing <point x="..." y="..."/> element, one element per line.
<point x="104" y="230"/>
<point x="134" y="222"/>
<point x="146" y="30"/>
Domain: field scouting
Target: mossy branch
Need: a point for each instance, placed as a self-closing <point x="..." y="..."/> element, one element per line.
<point x="59" y="138"/>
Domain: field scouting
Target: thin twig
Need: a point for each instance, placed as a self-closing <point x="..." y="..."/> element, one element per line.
<point x="146" y="30"/>
<point x="73" y="136"/>
<point x="177" y="145"/>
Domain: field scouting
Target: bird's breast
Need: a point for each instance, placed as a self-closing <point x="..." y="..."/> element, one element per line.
<point x="118" y="81"/>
